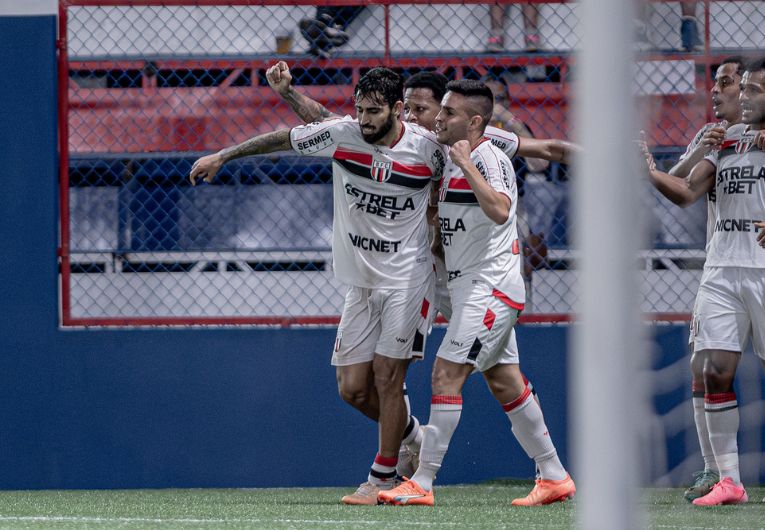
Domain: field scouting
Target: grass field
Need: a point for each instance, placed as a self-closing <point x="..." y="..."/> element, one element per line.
<point x="474" y="506"/>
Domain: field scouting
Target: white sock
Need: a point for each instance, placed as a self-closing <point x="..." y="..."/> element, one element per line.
<point x="445" y="414"/>
<point x="722" y="422"/>
<point x="699" y="418"/>
<point x="528" y="425"/>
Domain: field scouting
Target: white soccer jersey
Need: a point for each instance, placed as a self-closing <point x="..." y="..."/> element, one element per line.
<point x="711" y="195"/>
<point x="740" y="201"/>
<point x="507" y="141"/>
<point x="477" y="248"/>
<point x="380" y="235"/>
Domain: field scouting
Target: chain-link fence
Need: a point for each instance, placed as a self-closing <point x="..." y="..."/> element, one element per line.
<point x="147" y="88"/>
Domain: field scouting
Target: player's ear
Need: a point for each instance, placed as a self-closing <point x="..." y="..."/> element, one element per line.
<point x="476" y="121"/>
<point x="398" y="109"/>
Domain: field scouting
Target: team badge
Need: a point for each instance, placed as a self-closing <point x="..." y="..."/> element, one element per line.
<point x="744" y="144"/>
<point x="381" y="170"/>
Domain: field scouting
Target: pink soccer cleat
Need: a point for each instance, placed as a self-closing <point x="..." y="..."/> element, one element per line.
<point x="724" y="492"/>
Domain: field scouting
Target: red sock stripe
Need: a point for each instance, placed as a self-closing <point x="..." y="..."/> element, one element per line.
<point x="387" y="461"/>
<point x="720" y="398"/>
<point x="446" y="400"/>
<point x="507" y="407"/>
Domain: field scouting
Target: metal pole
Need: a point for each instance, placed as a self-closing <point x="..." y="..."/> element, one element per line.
<point x="604" y="375"/>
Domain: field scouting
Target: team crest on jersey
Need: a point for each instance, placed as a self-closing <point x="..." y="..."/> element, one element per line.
<point x="743" y="145"/>
<point x="381" y="170"/>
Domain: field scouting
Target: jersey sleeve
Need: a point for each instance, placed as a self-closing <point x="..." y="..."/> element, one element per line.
<point x="713" y="157"/>
<point x="695" y="142"/>
<point x="437" y="162"/>
<point x="506" y="141"/>
<point x="497" y="170"/>
<point x="321" y="138"/>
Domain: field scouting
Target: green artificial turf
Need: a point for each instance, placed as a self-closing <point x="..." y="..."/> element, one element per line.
<point x="473" y="506"/>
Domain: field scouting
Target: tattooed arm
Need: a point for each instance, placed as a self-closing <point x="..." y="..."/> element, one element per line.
<point x="308" y="110"/>
<point x="207" y="166"/>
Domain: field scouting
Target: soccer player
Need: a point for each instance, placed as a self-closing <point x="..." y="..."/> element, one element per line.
<point x="730" y="306"/>
<point x="727" y="109"/>
<point x="382" y="174"/>
<point x="477" y="202"/>
<point x="423" y="92"/>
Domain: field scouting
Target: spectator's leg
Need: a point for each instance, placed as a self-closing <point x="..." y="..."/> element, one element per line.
<point x="641" y="27"/>
<point x="496" y="42"/>
<point x="689" y="28"/>
<point x="530" y="27"/>
<point x="327" y="30"/>
<point x="341" y="16"/>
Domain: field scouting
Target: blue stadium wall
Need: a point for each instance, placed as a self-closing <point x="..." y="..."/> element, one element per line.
<point x="188" y="408"/>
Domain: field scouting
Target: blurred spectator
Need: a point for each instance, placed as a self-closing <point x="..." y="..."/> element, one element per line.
<point x="689" y="28"/>
<point x="327" y="30"/>
<point x="497" y="15"/>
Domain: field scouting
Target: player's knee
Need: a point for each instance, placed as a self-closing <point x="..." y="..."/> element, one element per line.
<point x="444" y="382"/>
<point x="355" y="395"/>
<point x="389" y="376"/>
<point x="388" y="383"/>
<point x="717" y="379"/>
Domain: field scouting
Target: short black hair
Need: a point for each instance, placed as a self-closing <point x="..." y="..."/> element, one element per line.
<point x="382" y="85"/>
<point x="435" y="81"/>
<point x="480" y="96"/>
<point x="738" y="61"/>
<point x="756" y="64"/>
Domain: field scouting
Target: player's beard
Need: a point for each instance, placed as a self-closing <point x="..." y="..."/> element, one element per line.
<point x="381" y="132"/>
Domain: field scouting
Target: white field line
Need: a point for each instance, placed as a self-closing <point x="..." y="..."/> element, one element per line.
<point x="334" y="523"/>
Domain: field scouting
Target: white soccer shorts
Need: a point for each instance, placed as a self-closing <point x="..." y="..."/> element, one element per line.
<point x="389" y="322"/>
<point x="481" y="329"/>
<point x="730" y="309"/>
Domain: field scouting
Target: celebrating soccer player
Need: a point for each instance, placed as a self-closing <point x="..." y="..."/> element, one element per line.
<point x="477" y="202"/>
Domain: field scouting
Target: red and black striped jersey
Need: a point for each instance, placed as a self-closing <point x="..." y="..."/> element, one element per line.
<point x="740" y="200"/>
<point x="380" y="234"/>
<point x="476" y="248"/>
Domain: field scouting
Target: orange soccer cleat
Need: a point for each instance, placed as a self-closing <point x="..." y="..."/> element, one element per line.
<point x="409" y="493"/>
<point x="548" y="492"/>
<point x="724" y="492"/>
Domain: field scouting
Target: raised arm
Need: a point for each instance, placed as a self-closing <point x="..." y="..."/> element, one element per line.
<point x="711" y="139"/>
<point x="681" y="191"/>
<point x="494" y="204"/>
<point x="511" y="123"/>
<point x="207" y="166"/>
<point x="280" y="79"/>
<point x="549" y="149"/>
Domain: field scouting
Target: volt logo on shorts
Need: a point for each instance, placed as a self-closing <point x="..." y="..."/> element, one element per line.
<point x="401" y="340"/>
